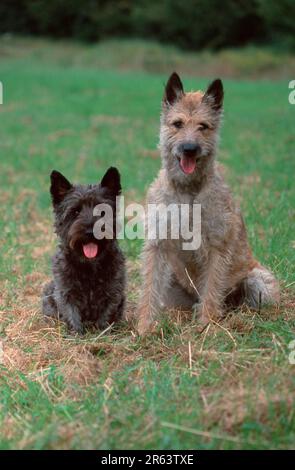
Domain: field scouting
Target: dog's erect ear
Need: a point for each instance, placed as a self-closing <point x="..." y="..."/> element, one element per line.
<point x="59" y="186"/>
<point x="112" y="181"/>
<point x="214" y="94"/>
<point x="173" y="90"/>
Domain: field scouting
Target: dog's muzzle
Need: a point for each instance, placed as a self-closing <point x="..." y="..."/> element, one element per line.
<point x="188" y="151"/>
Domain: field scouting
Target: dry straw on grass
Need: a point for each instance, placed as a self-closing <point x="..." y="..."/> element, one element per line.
<point x="33" y="345"/>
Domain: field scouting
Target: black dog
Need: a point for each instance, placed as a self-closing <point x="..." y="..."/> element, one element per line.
<point x="88" y="273"/>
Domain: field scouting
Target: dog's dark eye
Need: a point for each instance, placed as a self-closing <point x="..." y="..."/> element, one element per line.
<point x="76" y="211"/>
<point x="203" y="126"/>
<point x="178" y="124"/>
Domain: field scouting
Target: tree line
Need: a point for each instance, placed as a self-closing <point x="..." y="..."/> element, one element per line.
<point x="191" y="24"/>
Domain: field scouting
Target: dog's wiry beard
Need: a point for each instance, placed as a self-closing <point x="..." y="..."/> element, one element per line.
<point x="75" y="236"/>
<point x="89" y="247"/>
<point x="171" y="161"/>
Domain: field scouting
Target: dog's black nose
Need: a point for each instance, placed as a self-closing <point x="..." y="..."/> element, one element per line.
<point x="89" y="232"/>
<point x="190" y="149"/>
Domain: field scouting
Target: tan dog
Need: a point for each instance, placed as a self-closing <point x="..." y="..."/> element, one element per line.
<point x="222" y="271"/>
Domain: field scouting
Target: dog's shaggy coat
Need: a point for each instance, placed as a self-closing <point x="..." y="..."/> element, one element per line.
<point x="223" y="270"/>
<point x="88" y="274"/>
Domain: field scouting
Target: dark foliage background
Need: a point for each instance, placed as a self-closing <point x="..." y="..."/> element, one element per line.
<point x="192" y="24"/>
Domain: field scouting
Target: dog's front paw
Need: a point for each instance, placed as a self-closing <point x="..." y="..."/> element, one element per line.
<point x="74" y="323"/>
<point x="144" y="328"/>
<point x="145" y="323"/>
<point x="77" y="329"/>
<point x="205" y="314"/>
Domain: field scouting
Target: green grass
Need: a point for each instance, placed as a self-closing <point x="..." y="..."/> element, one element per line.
<point x="64" y="111"/>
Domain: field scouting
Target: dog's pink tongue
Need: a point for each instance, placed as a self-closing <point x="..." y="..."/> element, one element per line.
<point x="188" y="164"/>
<point x="90" y="250"/>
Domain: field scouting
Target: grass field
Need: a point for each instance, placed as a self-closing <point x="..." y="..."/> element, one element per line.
<point x="115" y="390"/>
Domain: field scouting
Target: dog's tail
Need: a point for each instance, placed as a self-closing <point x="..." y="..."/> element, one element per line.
<point x="261" y="288"/>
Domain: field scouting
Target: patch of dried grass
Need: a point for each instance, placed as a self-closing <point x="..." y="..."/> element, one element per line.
<point x="33" y="345"/>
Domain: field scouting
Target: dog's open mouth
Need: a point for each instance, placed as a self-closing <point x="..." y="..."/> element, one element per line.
<point x="188" y="164"/>
<point x="90" y="250"/>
